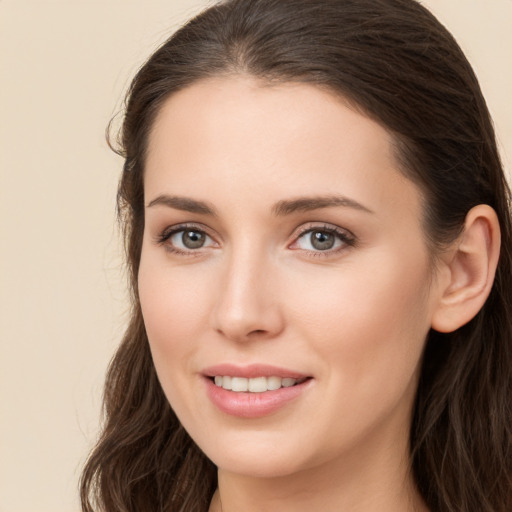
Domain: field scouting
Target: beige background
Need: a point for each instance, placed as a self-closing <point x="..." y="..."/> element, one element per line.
<point x="64" y="66"/>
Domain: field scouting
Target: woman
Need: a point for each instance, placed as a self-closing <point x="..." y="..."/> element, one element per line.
<point x="313" y="205"/>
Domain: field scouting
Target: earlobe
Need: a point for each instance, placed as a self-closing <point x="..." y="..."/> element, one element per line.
<point x="471" y="269"/>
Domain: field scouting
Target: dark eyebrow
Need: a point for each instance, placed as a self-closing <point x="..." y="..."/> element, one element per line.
<point x="183" y="203"/>
<point x="281" y="208"/>
<point x="305" y="204"/>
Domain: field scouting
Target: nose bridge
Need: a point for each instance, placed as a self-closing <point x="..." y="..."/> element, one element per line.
<point x="247" y="303"/>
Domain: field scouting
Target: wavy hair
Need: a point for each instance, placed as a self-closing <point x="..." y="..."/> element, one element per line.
<point x="398" y="65"/>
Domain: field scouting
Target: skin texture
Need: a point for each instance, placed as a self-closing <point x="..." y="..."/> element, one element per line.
<point x="353" y="318"/>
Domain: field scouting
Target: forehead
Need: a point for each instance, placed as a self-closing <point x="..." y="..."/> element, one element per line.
<point x="276" y="139"/>
<point x="259" y="115"/>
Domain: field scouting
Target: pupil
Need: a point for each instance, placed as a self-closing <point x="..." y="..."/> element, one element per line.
<point x="321" y="240"/>
<point x="193" y="239"/>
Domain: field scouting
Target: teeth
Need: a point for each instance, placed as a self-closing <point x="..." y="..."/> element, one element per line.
<point x="287" y="382"/>
<point x="239" y="384"/>
<point x="258" y="385"/>
<point x="226" y="382"/>
<point x="254" y="385"/>
<point x="273" y="383"/>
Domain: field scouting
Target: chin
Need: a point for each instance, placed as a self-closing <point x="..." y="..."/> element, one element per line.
<point x="256" y="458"/>
<point x="266" y="466"/>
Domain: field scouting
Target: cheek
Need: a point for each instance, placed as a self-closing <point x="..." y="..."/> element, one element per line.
<point x="169" y="305"/>
<point x="367" y="332"/>
<point x="174" y="306"/>
<point x="174" y="317"/>
<point x="368" y="326"/>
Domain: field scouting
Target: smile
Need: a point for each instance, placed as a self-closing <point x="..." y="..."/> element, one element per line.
<point x="254" y="391"/>
<point x="255" y="384"/>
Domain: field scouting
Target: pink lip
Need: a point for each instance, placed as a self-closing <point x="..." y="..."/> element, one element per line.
<point x="251" y="371"/>
<point x="252" y="405"/>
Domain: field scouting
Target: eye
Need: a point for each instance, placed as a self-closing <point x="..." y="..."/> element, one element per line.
<point x="325" y="239"/>
<point x="185" y="239"/>
<point x="189" y="239"/>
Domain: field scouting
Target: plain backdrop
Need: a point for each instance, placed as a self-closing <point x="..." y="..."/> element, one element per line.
<point x="64" y="66"/>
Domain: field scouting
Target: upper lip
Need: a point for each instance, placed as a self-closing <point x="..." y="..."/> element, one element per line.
<point x="252" y="371"/>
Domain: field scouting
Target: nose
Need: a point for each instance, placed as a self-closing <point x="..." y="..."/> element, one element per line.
<point x="248" y="306"/>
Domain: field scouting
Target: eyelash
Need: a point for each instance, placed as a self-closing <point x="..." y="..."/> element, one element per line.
<point x="167" y="233"/>
<point x="345" y="236"/>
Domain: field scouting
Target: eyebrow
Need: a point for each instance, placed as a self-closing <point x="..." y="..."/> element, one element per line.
<point x="184" y="203"/>
<point x="281" y="208"/>
<point x="306" y="204"/>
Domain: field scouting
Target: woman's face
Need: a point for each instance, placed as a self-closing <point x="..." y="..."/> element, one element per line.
<point x="283" y="257"/>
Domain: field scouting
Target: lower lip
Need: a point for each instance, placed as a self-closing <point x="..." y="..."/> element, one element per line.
<point x="252" y="405"/>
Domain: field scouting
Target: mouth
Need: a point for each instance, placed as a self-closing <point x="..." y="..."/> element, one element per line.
<point x="255" y="384"/>
<point x="256" y="390"/>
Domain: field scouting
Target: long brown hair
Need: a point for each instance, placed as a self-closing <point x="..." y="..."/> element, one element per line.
<point x="399" y="66"/>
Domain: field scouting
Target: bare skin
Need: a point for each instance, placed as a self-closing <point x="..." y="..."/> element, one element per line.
<point x="236" y="270"/>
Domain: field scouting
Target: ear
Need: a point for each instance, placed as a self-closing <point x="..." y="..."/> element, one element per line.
<point x="469" y="270"/>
